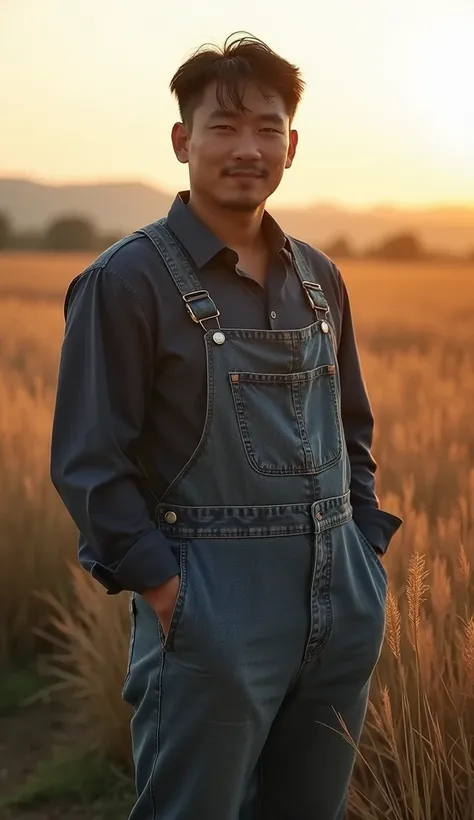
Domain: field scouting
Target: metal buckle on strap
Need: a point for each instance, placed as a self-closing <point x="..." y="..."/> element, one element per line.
<point x="309" y="286"/>
<point x="188" y="298"/>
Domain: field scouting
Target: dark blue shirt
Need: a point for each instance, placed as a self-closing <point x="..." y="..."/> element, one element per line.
<point x="131" y="394"/>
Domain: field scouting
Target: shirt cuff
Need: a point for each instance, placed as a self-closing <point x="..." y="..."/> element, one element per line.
<point x="147" y="564"/>
<point x="378" y="526"/>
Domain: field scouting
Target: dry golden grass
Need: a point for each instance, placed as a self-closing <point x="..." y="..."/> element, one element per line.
<point x="415" y="760"/>
<point x="40" y="276"/>
<point x="415" y="327"/>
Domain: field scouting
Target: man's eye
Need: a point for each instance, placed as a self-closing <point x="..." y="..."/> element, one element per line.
<point x="222" y="128"/>
<point x="271" y="130"/>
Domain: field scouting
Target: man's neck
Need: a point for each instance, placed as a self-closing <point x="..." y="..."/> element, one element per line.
<point x="237" y="229"/>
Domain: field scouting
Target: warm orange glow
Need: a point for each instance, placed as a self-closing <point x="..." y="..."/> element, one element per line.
<point x="388" y="114"/>
<point x="440" y="101"/>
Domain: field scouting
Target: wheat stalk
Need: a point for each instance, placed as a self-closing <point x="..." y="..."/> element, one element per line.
<point x="415" y="591"/>
<point x="394" y="625"/>
<point x="464" y="564"/>
<point x="468" y="650"/>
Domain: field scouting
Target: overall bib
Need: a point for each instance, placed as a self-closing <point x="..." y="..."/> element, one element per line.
<point x="280" y="615"/>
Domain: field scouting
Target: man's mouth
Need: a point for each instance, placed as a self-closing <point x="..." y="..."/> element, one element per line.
<point x="245" y="174"/>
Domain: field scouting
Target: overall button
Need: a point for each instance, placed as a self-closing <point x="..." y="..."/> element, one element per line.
<point x="171" y="517"/>
<point x="273" y="314"/>
<point x="219" y="338"/>
<point x="324" y="327"/>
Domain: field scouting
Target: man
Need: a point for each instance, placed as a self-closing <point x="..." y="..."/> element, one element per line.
<point x="211" y="440"/>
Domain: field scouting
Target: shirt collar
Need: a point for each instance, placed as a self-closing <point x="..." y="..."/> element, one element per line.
<point x="201" y="243"/>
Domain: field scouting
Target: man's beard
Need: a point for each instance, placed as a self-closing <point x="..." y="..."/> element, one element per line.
<point x="245" y="200"/>
<point x="242" y="206"/>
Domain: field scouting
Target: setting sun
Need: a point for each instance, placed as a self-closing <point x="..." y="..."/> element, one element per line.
<point x="440" y="72"/>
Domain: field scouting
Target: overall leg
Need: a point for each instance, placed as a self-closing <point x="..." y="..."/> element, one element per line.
<point x="307" y="761"/>
<point x="204" y="703"/>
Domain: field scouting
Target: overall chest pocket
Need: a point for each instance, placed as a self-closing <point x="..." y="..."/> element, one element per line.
<point x="289" y="422"/>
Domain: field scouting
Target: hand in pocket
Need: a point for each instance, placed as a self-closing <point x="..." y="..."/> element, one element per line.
<point x="163" y="600"/>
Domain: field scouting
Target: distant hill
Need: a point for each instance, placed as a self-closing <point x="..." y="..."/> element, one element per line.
<point x="118" y="206"/>
<point x="121" y="207"/>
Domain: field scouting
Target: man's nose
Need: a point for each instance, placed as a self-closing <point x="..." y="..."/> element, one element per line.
<point x="247" y="148"/>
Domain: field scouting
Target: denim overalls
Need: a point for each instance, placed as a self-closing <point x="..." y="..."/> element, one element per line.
<point x="280" y="615"/>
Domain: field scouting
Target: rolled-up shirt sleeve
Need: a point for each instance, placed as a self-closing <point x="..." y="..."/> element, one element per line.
<point x="105" y="375"/>
<point x="376" y="524"/>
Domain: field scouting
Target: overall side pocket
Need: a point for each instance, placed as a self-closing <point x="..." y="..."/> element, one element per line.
<point x="167" y="642"/>
<point x="368" y="548"/>
<point x="132" y="610"/>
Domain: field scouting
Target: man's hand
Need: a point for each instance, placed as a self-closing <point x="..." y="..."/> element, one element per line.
<point x="163" y="600"/>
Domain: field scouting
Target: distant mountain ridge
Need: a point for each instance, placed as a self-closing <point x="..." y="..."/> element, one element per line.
<point x="120" y="207"/>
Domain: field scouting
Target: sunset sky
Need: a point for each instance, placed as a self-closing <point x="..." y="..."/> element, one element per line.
<point x="387" y="117"/>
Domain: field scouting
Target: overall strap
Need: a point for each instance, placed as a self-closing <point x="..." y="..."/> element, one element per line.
<point x="313" y="289"/>
<point x="199" y="304"/>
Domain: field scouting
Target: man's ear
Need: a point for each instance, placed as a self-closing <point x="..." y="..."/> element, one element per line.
<point x="180" y="139"/>
<point x="291" y="148"/>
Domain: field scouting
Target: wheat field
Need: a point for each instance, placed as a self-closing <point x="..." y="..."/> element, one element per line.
<point x="415" y="328"/>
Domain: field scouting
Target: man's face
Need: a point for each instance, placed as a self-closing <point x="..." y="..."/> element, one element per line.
<point x="237" y="159"/>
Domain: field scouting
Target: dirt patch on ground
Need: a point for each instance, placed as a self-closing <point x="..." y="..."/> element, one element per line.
<point x="27" y="738"/>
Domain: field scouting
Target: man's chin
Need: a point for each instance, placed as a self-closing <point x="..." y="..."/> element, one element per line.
<point x="242" y="204"/>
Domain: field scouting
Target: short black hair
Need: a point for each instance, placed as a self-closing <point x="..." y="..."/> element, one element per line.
<point x="239" y="60"/>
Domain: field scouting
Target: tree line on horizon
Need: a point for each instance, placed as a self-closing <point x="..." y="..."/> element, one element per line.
<point x="75" y="234"/>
